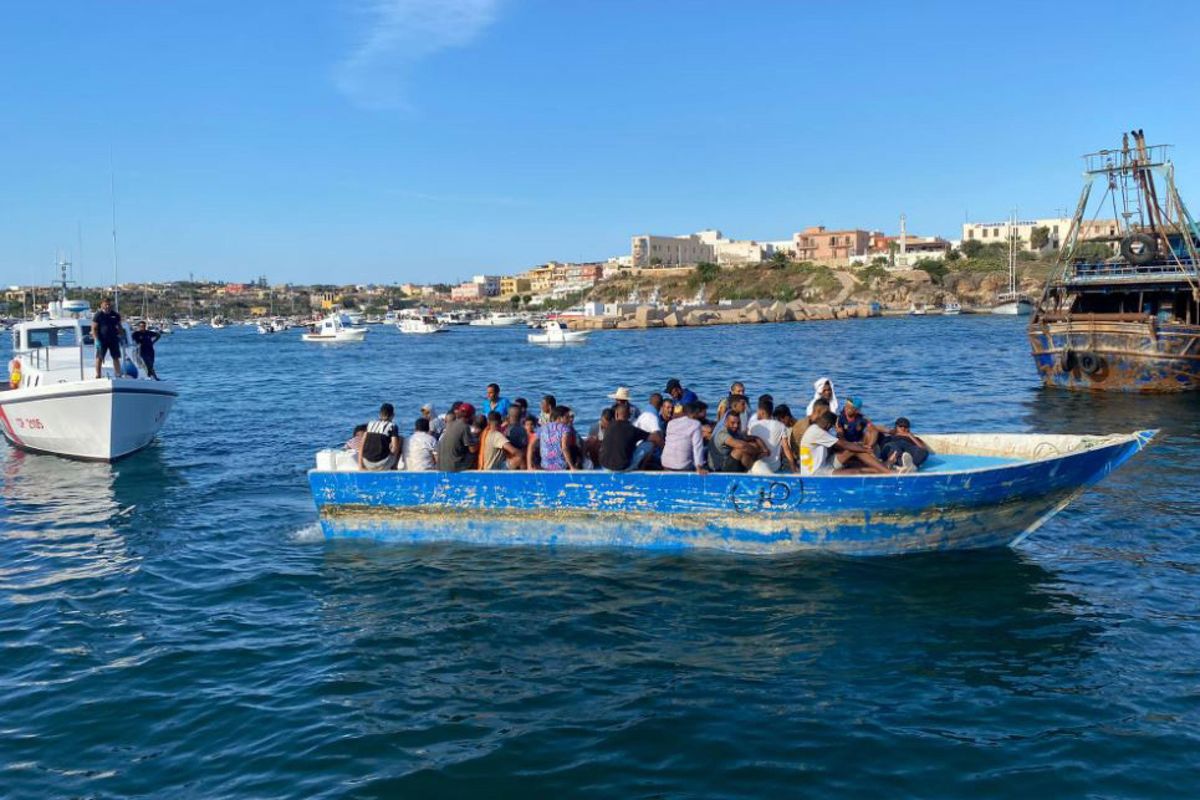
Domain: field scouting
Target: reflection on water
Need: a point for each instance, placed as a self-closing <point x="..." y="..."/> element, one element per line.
<point x="601" y="639"/>
<point x="1059" y="411"/>
<point x="63" y="518"/>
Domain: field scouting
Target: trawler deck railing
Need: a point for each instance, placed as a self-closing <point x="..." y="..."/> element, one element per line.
<point x="1105" y="272"/>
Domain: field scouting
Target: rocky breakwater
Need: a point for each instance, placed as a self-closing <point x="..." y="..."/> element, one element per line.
<point x="750" y="313"/>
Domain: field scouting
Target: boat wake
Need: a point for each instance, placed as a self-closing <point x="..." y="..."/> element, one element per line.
<point x="308" y="534"/>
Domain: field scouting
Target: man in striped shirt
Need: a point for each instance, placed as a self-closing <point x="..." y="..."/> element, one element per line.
<point x="380" y="447"/>
<point x="683" y="450"/>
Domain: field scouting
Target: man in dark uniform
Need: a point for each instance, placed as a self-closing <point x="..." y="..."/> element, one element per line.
<point x="145" y="338"/>
<point x="106" y="330"/>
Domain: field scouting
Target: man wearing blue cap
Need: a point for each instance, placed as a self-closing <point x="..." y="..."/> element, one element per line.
<point x="855" y="428"/>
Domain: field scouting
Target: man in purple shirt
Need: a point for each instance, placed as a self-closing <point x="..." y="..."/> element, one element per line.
<point x="683" y="450"/>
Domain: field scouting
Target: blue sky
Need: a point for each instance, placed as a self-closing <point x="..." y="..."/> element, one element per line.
<point x="394" y="140"/>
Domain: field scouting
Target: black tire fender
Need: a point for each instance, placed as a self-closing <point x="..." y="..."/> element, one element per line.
<point x="1090" y="363"/>
<point x="1139" y="248"/>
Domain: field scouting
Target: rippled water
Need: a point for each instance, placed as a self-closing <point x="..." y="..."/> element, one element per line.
<point x="174" y="626"/>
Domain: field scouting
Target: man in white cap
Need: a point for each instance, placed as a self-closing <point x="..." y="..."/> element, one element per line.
<point x="436" y="423"/>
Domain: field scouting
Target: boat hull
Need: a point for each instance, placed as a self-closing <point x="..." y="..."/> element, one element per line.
<point x="495" y="322"/>
<point x="572" y="337"/>
<point x="1022" y="309"/>
<point x="356" y="335"/>
<point x="1129" y="356"/>
<point x="853" y="515"/>
<point x="98" y="420"/>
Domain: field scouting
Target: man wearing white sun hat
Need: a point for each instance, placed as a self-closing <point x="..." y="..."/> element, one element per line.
<point x="621" y="397"/>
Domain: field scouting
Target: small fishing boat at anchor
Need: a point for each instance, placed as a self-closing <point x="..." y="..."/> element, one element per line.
<point x="554" y="332"/>
<point x="423" y="324"/>
<point x="334" y="328"/>
<point x="977" y="491"/>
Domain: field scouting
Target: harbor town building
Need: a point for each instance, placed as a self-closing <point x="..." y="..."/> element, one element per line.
<point x="1055" y="229"/>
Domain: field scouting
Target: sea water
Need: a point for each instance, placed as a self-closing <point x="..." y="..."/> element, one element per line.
<point x="174" y="625"/>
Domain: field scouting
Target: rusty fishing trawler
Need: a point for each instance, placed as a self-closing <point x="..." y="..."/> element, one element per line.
<point x="1121" y="311"/>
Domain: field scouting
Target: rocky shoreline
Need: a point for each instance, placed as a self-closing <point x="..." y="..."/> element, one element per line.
<point x="751" y="313"/>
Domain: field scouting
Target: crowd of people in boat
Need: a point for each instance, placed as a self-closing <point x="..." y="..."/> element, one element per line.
<point x="677" y="432"/>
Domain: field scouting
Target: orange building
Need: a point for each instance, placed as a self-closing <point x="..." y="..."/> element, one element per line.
<point x="818" y="244"/>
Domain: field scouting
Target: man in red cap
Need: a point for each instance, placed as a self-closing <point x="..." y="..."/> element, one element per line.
<point x="456" y="447"/>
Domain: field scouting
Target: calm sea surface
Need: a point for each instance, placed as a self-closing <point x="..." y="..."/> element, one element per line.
<point x="174" y="625"/>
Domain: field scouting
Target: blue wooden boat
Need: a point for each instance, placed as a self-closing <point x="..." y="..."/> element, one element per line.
<point x="979" y="490"/>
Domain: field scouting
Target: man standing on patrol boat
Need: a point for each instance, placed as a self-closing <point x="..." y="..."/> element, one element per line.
<point x="107" y="333"/>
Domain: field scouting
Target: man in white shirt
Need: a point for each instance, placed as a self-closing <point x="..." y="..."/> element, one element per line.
<point x="771" y="432"/>
<point x="420" y="449"/>
<point x="822" y="452"/>
<point x="816" y="446"/>
<point x="650" y="421"/>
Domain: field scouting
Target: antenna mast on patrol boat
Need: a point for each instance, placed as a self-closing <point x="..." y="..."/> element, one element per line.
<point x="112" y="195"/>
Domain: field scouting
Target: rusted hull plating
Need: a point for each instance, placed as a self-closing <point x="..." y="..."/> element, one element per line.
<point x="1117" y="356"/>
<point x="857" y="515"/>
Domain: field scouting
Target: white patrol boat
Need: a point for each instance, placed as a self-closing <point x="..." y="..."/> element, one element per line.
<point x="334" y="328"/>
<point x="53" y="403"/>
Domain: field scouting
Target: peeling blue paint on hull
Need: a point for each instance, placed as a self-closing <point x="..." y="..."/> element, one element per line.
<point x="1128" y="357"/>
<point x="856" y="515"/>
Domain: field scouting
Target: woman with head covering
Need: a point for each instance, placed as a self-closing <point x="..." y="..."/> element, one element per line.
<point x="823" y="387"/>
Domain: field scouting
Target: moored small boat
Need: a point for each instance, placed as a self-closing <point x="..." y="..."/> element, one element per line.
<point x="334" y="328"/>
<point x="421" y="325"/>
<point x="496" y="320"/>
<point x="978" y="491"/>
<point x="553" y="332"/>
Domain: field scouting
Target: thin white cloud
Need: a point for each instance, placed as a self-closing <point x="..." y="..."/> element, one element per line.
<point x="399" y="33"/>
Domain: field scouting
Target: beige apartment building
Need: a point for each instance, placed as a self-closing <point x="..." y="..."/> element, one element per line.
<point x="670" y="251"/>
<point x="733" y="251"/>
<point x="818" y="244"/>
<point x="1057" y="227"/>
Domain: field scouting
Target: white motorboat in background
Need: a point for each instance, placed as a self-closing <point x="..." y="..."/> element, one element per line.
<point x="952" y="309"/>
<point x="219" y="322"/>
<point x="496" y="320"/>
<point x="334" y="328"/>
<point x="55" y="404"/>
<point x="553" y="332"/>
<point x="455" y="317"/>
<point x="422" y="324"/>
<point x="264" y="327"/>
